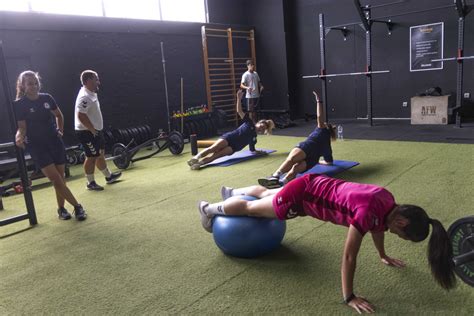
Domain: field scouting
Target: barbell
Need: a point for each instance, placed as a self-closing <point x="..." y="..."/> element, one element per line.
<point x="122" y="155"/>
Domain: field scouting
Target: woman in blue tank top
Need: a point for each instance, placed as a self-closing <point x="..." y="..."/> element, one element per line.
<point x="307" y="153"/>
<point x="236" y="140"/>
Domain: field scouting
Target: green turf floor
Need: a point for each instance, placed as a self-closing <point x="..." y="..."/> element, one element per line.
<point x="142" y="250"/>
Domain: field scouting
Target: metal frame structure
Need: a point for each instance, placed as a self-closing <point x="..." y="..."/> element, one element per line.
<point x="366" y="22"/>
<point x="223" y="74"/>
<point x="20" y="156"/>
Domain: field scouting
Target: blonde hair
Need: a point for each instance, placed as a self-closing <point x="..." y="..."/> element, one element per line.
<point x="269" y="126"/>
<point x="87" y="75"/>
<point x="20" y="82"/>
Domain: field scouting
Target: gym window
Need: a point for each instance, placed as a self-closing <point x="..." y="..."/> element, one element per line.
<point x="166" y="10"/>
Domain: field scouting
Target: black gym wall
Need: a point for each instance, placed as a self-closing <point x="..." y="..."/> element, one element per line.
<point x="347" y="95"/>
<point x="126" y="54"/>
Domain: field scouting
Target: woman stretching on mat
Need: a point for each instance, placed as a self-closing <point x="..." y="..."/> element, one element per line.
<point x="40" y="129"/>
<point x="236" y="140"/>
<point x="306" y="154"/>
<point x="362" y="208"/>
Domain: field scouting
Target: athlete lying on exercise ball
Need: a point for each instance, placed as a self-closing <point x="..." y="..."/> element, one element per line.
<point x="361" y="207"/>
<point x="307" y="153"/>
<point x="227" y="144"/>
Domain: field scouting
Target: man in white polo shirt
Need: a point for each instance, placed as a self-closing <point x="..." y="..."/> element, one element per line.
<point x="251" y="82"/>
<point x="88" y="124"/>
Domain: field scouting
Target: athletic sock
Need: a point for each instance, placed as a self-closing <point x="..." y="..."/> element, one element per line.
<point x="106" y="172"/>
<point x="90" y="178"/>
<point x="277" y="174"/>
<point x="215" y="209"/>
<point x="198" y="156"/>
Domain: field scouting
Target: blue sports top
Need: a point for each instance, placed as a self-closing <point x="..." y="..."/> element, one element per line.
<point x="40" y="121"/>
<point x="244" y="135"/>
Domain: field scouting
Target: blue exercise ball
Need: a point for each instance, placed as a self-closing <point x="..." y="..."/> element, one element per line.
<point x="247" y="237"/>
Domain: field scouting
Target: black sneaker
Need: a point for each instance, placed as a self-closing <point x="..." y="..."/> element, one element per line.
<point x="80" y="213"/>
<point x="114" y="176"/>
<point x="94" y="186"/>
<point x="270" y="182"/>
<point x="63" y="214"/>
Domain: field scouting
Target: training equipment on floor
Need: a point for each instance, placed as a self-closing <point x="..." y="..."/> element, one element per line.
<point x="237" y="157"/>
<point x="195" y="144"/>
<point x="123" y="155"/>
<point x="247" y="237"/>
<point x="337" y="166"/>
<point x="461" y="234"/>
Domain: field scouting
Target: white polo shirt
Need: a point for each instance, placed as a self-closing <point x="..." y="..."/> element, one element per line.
<point x="88" y="103"/>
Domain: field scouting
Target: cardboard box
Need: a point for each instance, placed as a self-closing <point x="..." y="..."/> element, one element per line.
<point x="429" y="110"/>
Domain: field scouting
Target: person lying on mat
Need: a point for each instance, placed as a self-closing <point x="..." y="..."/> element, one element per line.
<point x="307" y="153"/>
<point x="362" y="208"/>
<point x="236" y="140"/>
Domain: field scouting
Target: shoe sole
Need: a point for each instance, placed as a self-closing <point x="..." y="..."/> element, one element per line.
<point x="192" y="162"/>
<point x="269" y="183"/>
<point x="95" y="189"/>
<point x="64" y="218"/>
<point x="114" y="179"/>
<point x="195" y="167"/>
<point x="202" y="214"/>
<point x="223" y="193"/>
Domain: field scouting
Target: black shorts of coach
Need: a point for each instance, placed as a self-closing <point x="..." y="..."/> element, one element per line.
<point x="92" y="144"/>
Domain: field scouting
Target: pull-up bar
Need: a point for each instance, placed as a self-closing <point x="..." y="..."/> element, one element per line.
<point x="366" y="73"/>
<point x="453" y="58"/>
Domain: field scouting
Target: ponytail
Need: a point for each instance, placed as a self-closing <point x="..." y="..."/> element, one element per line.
<point x="440" y="254"/>
<point x="332" y="131"/>
<point x="270" y="125"/>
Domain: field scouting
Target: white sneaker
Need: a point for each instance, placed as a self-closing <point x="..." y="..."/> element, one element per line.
<point x="226" y="192"/>
<point x="196" y="166"/>
<point x="192" y="161"/>
<point x="206" y="221"/>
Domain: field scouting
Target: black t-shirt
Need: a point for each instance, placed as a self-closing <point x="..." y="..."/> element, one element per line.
<point x="40" y="121"/>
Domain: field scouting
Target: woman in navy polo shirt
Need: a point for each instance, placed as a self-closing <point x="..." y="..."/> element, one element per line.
<point x="40" y="131"/>
<point x="307" y="153"/>
<point x="227" y="144"/>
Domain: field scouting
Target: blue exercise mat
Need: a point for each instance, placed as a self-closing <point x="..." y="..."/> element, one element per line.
<point x="237" y="157"/>
<point x="337" y="166"/>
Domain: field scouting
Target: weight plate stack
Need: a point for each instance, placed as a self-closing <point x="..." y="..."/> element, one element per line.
<point x="461" y="234"/>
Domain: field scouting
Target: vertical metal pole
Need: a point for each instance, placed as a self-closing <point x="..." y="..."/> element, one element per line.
<point x="206" y="68"/>
<point x="161" y="13"/>
<point x="166" y="87"/>
<point x="368" y="47"/>
<point x="460" y="68"/>
<point x="20" y="156"/>
<point x="253" y="50"/>
<point x="322" y="49"/>
<point x="206" y="8"/>
<point x="230" y="48"/>
<point x="182" y="105"/>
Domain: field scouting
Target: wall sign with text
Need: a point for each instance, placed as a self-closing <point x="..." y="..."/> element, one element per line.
<point x="426" y="44"/>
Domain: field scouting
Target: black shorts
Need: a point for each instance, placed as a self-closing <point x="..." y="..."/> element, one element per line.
<point x="48" y="153"/>
<point x="92" y="144"/>
<point x="252" y="104"/>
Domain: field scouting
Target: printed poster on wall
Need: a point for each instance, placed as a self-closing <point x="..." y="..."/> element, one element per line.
<point x="426" y="44"/>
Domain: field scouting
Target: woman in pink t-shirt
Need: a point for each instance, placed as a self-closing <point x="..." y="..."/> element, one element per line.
<point x="361" y="207"/>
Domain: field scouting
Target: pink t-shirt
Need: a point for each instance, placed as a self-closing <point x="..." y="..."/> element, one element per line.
<point x="340" y="202"/>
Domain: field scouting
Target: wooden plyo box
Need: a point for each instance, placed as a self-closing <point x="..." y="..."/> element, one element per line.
<point x="429" y="110"/>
